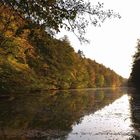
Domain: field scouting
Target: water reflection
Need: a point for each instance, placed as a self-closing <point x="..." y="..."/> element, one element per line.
<point x="111" y="122"/>
<point x="64" y="115"/>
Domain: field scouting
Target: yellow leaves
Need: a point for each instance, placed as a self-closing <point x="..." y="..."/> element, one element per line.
<point x="14" y="50"/>
<point x="18" y="66"/>
<point x="8" y="33"/>
<point x="45" y="66"/>
<point x="25" y="47"/>
<point x="10" y="21"/>
<point x="73" y="74"/>
<point x="22" y="42"/>
<point x="25" y="33"/>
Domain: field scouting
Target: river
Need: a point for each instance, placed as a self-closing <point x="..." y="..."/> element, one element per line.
<point x="88" y="114"/>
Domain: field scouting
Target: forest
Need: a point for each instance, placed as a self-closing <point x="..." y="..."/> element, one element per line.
<point x="33" y="59"/>
<point x="134" y="79"/>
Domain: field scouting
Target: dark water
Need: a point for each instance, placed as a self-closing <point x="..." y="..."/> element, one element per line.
<point x="102" y="114"/>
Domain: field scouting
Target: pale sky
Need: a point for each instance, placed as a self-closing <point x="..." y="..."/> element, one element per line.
<point x="113" y="44"/>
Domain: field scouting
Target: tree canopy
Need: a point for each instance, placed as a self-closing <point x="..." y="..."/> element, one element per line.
<point x="134" y="79"/>
<point x="56" y="14"/>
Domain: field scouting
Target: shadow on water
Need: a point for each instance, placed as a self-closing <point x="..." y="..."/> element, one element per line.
<point x="135" y="112"/>
<point x="50" y="115"/>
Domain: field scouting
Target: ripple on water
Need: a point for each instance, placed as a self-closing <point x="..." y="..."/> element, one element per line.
<point x="111" y="122"/>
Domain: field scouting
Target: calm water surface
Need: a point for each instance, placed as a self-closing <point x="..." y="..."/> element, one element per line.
<point x="91" y="114"/>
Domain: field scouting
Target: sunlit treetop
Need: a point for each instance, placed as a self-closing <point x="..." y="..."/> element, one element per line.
<point x="56" y="14"/>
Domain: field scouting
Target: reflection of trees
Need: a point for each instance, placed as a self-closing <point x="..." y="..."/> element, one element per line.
<point x="135" y="111"/>
<point x="51" y="112"/>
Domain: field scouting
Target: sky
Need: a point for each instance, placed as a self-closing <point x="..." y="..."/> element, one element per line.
<point x="113" y="44"/>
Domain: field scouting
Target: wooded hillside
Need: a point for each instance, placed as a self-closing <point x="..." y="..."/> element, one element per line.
<point x="31" y="59"/>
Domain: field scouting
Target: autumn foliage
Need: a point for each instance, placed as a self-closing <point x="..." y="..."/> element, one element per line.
<point x="31" y="59"/>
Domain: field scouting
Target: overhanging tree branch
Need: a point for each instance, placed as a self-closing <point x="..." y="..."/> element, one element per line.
<point x="53" y="14"/>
